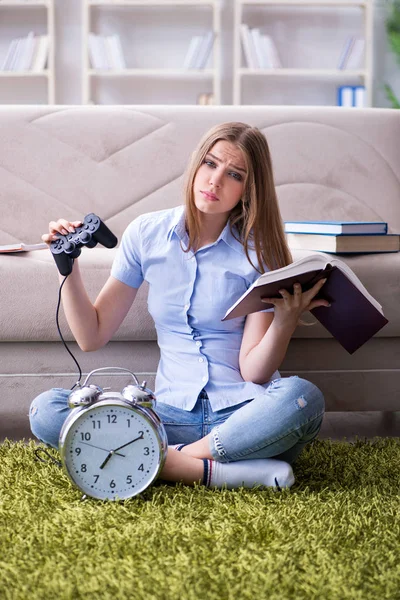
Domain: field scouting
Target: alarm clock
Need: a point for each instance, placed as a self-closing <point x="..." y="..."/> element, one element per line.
<point x="113" y="445"/>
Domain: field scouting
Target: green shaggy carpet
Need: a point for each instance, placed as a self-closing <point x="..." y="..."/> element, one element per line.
<point x="334" y="536"/>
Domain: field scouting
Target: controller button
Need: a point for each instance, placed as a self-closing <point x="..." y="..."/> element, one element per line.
<point x="85" y="237"/>
<point x="69" y="247"/>
<point x="58" y="244"/>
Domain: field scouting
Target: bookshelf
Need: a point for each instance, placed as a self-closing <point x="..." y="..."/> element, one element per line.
<point x="309" y="36"/>
<point x="154" y="36"/>
<point x="17" y="19"/>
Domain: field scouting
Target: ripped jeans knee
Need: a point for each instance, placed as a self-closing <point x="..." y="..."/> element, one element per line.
<point x="276" y="424"/>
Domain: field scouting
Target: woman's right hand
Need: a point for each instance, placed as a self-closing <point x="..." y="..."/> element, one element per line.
<point x="62" y="226"/>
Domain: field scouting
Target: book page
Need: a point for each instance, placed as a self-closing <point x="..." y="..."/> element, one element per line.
<point x="308" y="263"/>
<point x="20" y="247"/>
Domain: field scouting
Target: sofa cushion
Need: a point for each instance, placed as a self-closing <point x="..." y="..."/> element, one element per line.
<point x="30" y="291"/>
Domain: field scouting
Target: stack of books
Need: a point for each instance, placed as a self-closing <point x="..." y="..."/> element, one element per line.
<point x="27" y="54"/>
<point x="341" y="237"/>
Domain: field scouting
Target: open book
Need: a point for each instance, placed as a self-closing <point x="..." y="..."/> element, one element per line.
<point x="354" y="315"/>
<point x="19" y="247"/>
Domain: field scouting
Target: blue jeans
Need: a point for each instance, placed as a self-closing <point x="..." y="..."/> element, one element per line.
<point x="278" y="423"/>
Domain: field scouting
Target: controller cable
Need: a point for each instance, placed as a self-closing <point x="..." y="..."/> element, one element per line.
<point x="39" y="451"/>
<point x="61" y="336"/>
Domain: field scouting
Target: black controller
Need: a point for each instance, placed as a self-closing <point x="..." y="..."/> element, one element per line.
<point x="68" y="247"/>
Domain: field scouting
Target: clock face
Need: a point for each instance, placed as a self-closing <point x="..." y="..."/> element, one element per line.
<point x="112" y="451"/>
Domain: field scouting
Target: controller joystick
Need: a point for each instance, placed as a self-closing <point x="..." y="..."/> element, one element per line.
<point x="68" y="247"/>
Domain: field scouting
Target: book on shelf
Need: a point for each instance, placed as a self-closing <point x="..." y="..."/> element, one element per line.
<point x="199" y="51"/>
<point x="192" y="51"/>
<point x="352" y="55"/>
<point x="338" y="227"/>
<point x="341" y="244"/>
<point x="249" y="49"/>
<point x="345" y="52"/>
<point x="105" y="52"/>
<point x="259" y="49"/>
<point x="351" y="96"/>
<point x="353" y="317"/>
<point x="27" y="54"/>
<point x="41" y="52"/>
<point x="20" y="247"/>
<point x="355" y="59"/>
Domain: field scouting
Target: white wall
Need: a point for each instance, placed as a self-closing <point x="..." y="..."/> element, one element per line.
<point x="69" y="52"/>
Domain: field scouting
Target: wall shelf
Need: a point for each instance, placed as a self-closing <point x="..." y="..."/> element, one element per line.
<point x="47" y="27"/>
<point x="290" y="23"/>
<point x="156" y="58"/>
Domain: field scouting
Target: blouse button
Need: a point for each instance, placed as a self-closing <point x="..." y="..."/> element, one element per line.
<point x="198" y="343"/>
<point x="201" y="359"/>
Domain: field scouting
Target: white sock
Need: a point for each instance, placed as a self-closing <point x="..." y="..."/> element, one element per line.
<point x="177" y="446"/>
<point x="265" y="472"/>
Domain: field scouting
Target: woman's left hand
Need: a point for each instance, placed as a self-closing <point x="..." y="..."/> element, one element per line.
<point x="289" y="308"/>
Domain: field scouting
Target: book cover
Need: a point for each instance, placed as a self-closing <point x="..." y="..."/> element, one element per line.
<point x="19" y="247"/>
<point x="351" y="318"/>
<point x="339" y="243"/>
<point x="356" y="57"/>
<point x="249" y="49"/>
<point x="192" y="51"/>
<point x="346" y="51"/>
<point x="205" y="50"/>
<point x="338" y="227"/>
<point x="345" y="96"/>
<point x="354" y="315"/>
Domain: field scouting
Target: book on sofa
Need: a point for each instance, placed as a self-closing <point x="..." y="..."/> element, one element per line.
<point x="20" y="247"/>
<point x="337" y="227"/>
<point x="354" y="315"/>
<point x="340" y="244"/>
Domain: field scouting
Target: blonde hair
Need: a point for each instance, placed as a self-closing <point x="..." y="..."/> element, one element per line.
<point x="256" y="220"/>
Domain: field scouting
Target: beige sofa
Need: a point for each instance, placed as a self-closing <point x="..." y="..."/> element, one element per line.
<point x="119" y="162"/>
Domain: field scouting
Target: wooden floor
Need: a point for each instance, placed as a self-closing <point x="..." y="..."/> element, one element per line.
<point x="349" y="425"/>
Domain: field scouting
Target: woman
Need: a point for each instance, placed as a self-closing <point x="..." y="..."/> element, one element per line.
<point x="230" y="418"/>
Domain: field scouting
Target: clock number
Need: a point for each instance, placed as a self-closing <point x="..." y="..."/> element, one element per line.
<point x="78" y="451"/>
<point x="129" y="422"/>
<point x="112" y="483"/>
<point x="129" y="479"/>
<point x="96" y="478"/>
<point x="112" y="418"/>
<point x="146" y="451"/>
<point x="86" y="436"/>
<point x="141" y="468"/>
<point x="96" y="424"/>
<point x="83" y="468"/>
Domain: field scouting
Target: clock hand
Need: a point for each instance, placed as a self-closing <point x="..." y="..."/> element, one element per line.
<point x="103" y="464"/>
<point x="131" y="442"/>
<point x="107" y="458"/>
<point x="99" y="448"/>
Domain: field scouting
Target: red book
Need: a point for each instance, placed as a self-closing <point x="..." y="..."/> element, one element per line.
<point x="354" y="315"/>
